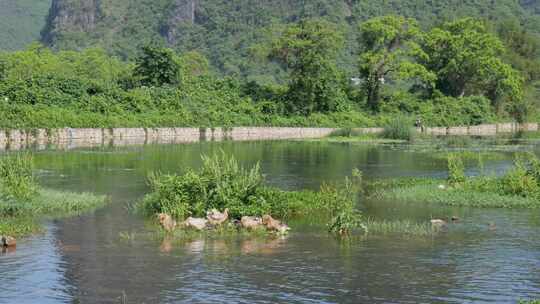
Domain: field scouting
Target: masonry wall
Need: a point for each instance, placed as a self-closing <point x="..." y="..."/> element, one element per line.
<point x="72" y="138"/>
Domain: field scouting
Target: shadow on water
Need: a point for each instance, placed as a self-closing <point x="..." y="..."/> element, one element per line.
<point x="84" y="259"/>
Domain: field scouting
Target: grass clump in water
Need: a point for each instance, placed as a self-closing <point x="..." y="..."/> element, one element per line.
<point x="23" y="201"/>
<point x="518" y="188"/>
<point x="405" y="227"/>
<point x="399" y="128"/>
<point x="222" y="183"/>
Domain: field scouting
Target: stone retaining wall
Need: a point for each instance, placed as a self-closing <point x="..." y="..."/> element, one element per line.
<point x="70" y="138"/>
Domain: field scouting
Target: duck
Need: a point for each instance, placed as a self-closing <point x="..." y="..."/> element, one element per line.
<point x="7" y="241"/>
<point x="438" y="223"/>
<point x="492" y="226"/>
<point x="251" y="222"/>
<point x="274" y="225"/>
<point x="167" y="222"/>
<point x="195" y="223"/>
<point x="216" y="218"/>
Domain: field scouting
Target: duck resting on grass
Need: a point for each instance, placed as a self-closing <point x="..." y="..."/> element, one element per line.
<point x="274" y="225"/>
<point x="195" y="223"/>
<point x="250" y="222"/>
<point x="7" y="241"/>
<point x="167" y="222"/>
<point x="216" y="218"/>
<point x="438" y="223"/>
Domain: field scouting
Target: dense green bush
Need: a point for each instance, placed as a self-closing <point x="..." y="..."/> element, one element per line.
<point x="400" y="127"/>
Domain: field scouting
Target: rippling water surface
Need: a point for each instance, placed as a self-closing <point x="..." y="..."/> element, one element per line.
<point x="84" y="259"/>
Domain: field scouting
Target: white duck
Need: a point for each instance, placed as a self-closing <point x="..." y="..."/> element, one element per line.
<point x="195" y="223"/>
<point x="216" y="218"/>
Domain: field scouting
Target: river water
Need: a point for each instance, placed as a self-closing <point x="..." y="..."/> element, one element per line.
<point x="89" y="259"/>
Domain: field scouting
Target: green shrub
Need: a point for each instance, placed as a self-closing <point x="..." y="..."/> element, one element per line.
<point x="456" y="170"/>
<point x="340" y="200"/>
<point x="522" y="179"/>
<point x="220" y="183"/>
<point x="17" y="177"/>
<point x="400" y="127"/>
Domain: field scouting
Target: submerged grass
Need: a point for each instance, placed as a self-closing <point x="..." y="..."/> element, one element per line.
<point x="403" y="227"/>
<point x="431" y="193"/>
<point x="518" y="188"/>
<point x="23" y="201"/>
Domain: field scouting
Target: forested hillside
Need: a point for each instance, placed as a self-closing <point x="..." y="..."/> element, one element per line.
<point x="21" y="22"/>
<point x="226" y="30"/>
<point x="279" y="62"/>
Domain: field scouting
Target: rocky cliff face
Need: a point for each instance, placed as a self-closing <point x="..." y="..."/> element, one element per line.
<point x="72" y="16"/>
<point x="183" y="13"/>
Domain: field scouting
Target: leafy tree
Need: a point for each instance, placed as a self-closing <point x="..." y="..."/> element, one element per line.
<point x="466" y="59"/>
<point x="309" y="50"/>
<point x="194" y="64"/>
<point x="157" y="66"/>
<point x="386" y="44"/>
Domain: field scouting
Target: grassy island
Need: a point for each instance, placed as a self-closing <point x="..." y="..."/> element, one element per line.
<point x="222" y="183"/>
<point x="519" y="187"/>
<point x="23" y="203"/>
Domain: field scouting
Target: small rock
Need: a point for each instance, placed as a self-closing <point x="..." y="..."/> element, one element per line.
<point x="492" y="226"/>
<point x="455" y="218"/>
<point x="442" y="187"/>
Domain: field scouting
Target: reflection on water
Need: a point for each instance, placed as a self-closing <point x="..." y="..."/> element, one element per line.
<point x="84" y="260"/>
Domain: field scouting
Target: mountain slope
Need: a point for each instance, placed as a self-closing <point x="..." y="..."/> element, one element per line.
<point x="224" y="30"/>
<point x="21" y="22"/>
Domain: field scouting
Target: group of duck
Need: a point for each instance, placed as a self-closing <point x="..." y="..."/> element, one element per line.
<point x="215" y="218"/>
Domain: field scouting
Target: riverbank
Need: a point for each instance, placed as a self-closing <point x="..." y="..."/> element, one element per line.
<point x="66" y="138"/>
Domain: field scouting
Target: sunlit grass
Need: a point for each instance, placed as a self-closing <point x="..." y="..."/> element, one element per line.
<point x="403" y="227"/>
<point x="430" y="193"/>
<point x="23" y="202"/>
<point x="19" y="226"/>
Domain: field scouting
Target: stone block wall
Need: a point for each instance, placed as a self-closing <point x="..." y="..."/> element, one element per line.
<point x="69" y="138"/>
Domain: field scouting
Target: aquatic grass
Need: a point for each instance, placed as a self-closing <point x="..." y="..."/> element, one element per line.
<point x="21" y="198"/>
<point x="406" y="227"/>
<point x="400" y="127"/>
<point x="518" y="188"/>
<point x="48" y="202"/>
<point x="347" y="132"/>
<point x="222" y="183"/>
<point x="458" y="141"/>
<point x="19" y="226"/>
<point x="456" y="169"/>
<point x="471" y="156"/>
<point x="16" y="176"/>
<point x="461" y="197"/>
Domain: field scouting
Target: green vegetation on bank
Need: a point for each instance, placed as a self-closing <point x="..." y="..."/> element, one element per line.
<point x="518" y="188"/>
<point x="403" y="73"/>
<point x="23" y="202"/>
